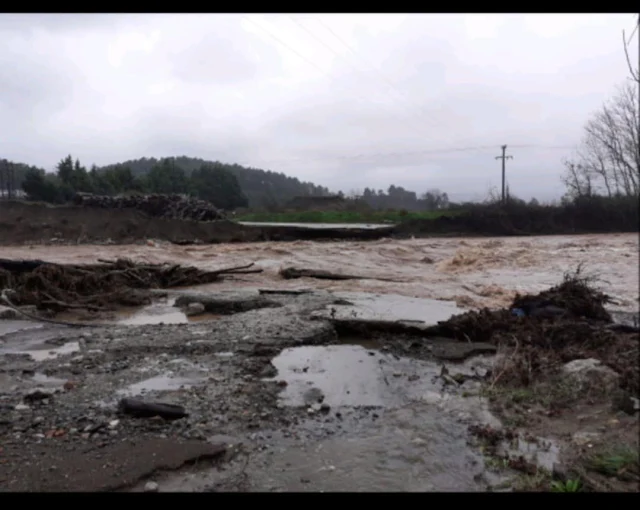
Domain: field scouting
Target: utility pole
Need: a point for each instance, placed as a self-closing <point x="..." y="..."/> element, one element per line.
<point x="504" y="158"/>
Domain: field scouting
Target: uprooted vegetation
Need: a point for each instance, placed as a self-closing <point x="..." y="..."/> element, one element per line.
<point x="540" y="333"/>
<point x="102" y="286"/>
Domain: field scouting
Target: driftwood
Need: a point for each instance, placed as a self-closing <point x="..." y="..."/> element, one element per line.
<point x="290" y="273"/>
<point x="99" y="286"/>
<point x="286" y="292"/>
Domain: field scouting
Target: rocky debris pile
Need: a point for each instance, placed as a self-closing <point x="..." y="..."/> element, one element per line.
<point x="176" y="207"/>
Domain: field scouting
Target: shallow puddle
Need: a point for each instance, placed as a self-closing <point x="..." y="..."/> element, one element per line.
<point x="160" y="383"/>
<point x="356" y="376"/>
<point x="390" y="307"/>
<point x="162" y="312"/>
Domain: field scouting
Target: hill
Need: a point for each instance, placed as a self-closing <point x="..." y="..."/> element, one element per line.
<point x="263" y="188"/>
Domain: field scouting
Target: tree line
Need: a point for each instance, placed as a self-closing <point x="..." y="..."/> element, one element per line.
<point x="210" y="181"/>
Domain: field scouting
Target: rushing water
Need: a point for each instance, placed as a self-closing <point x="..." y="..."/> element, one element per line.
<point x="471" y="272"/>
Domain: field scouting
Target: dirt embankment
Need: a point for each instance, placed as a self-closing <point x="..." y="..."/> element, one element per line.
<point x="22" y="222"/>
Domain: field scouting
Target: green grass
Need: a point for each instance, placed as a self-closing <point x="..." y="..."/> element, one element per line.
<point x="615" y="462"/>
<point x="343" y="216"/>
<point x="568" y="486"/>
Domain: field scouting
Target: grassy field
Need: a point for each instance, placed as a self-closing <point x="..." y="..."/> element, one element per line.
<point x="342" y="216"/>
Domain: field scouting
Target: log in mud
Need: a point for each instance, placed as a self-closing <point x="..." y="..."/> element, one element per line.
<point x="291" y="273"/>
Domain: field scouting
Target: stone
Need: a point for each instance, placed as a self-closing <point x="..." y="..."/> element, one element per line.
<point x="194" y="309"/>
<point x="8" y="313"/>
<point x="591" y="374"/>
<point x="585" y="438"/>
<point x="151" y="487"/>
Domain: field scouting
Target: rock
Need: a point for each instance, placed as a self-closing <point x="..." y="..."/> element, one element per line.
<point x="151" y="487"/>
<point x="623" y="401"/>
<point x="584" y="438"/>
<point x="268" y="371"/>
<point x="140" y="409"/>
<point x="591" y="374"/>
<point x="22" y="407"/>
<point x="8" y="313"/>
<point x="194" y="309"/>
<point x="312" y="396"/>
<point x="37" y="395"/>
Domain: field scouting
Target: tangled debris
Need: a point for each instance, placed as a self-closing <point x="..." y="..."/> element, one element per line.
<point x="545" y="331"/>
<point x="177" y="207"/>
<point x="101" y="286"/>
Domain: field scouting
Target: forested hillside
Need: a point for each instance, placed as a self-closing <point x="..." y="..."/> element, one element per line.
<point x="263" y="188"/>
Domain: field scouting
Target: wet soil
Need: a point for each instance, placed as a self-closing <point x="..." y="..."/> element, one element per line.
<point x="300" y="407"/>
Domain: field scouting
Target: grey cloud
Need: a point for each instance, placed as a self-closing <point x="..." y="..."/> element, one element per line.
<point x="115" y="87"/>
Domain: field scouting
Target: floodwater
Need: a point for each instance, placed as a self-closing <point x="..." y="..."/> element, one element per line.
<point x="470" y="272"/>
<point x="316" y="225"/>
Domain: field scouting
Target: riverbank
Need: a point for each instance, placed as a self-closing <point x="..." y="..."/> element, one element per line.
<point x="327" y="385"/>
<point x="309" y="392"/>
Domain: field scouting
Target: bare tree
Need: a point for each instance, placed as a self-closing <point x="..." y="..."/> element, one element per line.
<point x="608" y="161"/>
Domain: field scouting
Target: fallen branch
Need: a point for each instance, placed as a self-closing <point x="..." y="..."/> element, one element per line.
<point x="291" y="273"/>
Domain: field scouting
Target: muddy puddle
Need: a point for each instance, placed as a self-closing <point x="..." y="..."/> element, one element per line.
<point x="160" y="312"/>
<point x="39" y="342"/>
<point x="160" y="383"/>
<point x="376" y="422"/>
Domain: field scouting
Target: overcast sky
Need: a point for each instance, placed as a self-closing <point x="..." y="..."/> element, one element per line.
<point x="345" y="101"/>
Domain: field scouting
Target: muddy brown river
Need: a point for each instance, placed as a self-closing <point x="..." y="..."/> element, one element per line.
<point x="407" y="434"/>
<point x="471" y="272"/>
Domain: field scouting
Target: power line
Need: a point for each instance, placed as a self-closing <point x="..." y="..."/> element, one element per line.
<point x="326" y="73"/>
<point x="285" y="45"/>
<point x="377" y="71"/>
<point x="417" y="127"/>
<point x="444" y="151"/>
